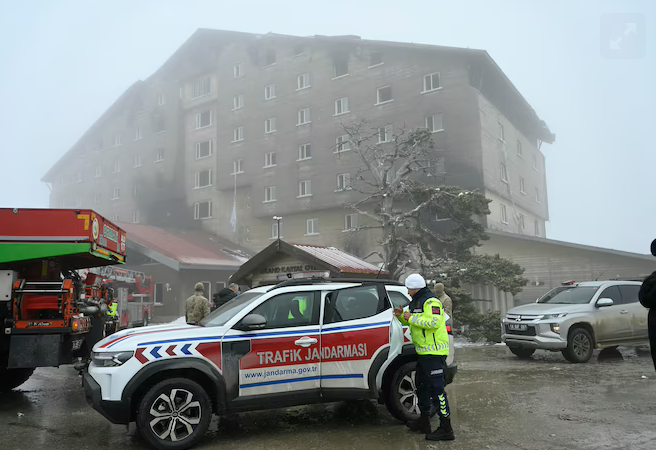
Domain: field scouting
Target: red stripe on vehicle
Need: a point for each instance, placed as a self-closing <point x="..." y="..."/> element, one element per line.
<point x="139" y="355"/>
<point x="171" y="351"/>
<point x="281" y="351"/>
<point x="211" y="351"/>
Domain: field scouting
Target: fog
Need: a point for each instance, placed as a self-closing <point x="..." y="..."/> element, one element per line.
<point x="62" y="63"/>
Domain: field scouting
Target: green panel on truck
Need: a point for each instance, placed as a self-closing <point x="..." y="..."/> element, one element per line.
<point x="24" y="251"/>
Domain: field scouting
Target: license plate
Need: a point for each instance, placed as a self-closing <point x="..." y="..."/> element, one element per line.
<point x="517" y="327"/>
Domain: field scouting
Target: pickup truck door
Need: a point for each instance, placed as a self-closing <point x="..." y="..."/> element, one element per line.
<point x="613" y="322"/>
<point x="637" y="312"/>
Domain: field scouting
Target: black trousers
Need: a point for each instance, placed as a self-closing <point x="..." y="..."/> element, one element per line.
<point x="651" y="323"/>
<point x="430" y="384"/>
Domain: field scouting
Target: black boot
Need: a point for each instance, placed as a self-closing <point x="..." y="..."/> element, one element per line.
<point x="443" y="433"/>
<point x="422" y="424"/>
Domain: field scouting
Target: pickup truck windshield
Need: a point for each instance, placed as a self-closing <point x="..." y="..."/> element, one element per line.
<point x="225" y="312"/>
<point x="575" y="295"/>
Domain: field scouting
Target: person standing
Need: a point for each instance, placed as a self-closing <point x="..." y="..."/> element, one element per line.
<point x="426" y="318"/>
<point x="226" y="294"/>
<point x="647" y="297"/>
<point x="444" y="298"/>
<point x="197" y="306"/>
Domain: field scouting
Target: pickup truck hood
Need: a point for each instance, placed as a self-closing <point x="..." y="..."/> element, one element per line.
<point x="131" y="338"/>
<point x="548" y="308"/>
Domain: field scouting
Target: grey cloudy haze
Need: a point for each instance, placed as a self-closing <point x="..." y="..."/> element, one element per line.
<point x="62" y="63"/>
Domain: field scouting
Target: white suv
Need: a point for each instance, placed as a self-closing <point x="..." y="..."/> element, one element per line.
<point x="296" y="343"/>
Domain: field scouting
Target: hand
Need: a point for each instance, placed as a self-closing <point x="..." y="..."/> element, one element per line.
<point x="407" y="315"/>
<point x="398" y="311"/>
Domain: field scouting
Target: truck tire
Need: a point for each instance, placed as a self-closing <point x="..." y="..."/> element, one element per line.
<point x="402" y="400"/>
<point x="174" y="414"/>
<point x="580" y="346"/>
<point x="521" y="352"/>
<point x="12" y="378"/>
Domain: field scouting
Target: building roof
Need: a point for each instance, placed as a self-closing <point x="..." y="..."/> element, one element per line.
<point x="184" y="249"/>
<point x="327" y="258"/>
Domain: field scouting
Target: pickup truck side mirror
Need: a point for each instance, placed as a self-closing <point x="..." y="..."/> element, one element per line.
<point x="253" y="322"/>
<point x="603" y="302"/>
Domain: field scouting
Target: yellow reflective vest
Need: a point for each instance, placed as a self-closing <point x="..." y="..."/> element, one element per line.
<point x="427" y="324"/>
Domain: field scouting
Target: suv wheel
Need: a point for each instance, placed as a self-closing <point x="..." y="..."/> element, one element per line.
<point x="174" y="414"/>
<point x="521" y="352"/>
<point x="402" y="400"/>
<point x="580" y="346"/>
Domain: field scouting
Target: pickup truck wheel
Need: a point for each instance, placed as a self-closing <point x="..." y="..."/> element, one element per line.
<point x="12" y="378"/>
<point x="580" y="346"/>
<point x="174" y="414"/>
<point x="402" y="400"/>
<point x="521" y="352"/>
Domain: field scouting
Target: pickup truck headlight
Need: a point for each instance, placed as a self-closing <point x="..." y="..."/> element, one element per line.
<point x="110" y="359"/>
<point x="554" y="316"/>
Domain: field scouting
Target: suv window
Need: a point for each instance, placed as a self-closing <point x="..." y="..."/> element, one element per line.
<point x="293" y="309"/>
<point x="353" y="303"/>
<point x="398" y="299"/>
<point x="612" y="293"/>
<point x="629" y="293"/>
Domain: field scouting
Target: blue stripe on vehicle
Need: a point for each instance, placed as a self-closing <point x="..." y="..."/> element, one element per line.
<point x="185" y="349"/>
<point x="361" y="325"/>
<point x="155" y="353"/>
<point x="274" y="333"/>
<point x="293" y="380"/>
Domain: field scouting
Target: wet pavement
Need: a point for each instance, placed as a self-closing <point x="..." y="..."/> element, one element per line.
<point x="497" y="402"/>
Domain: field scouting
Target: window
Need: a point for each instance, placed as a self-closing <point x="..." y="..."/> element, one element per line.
<point x="137" y="133"/>
<point x="341" y="106"/>
<point x="305" y="188"/>
<point x="384" y="94"/>
<point x="269" y="194"/>
<point x="504" y="173"/>
<point x="116" y="194"/>
<point x="203" y="178"/>
<point x="342" y="144"/>
<point x="270" y="92"/>
<point x="117" y="166"/>
<point x="238" y="70"/>
<point x="304" y="151"/>
<point x="117" y="141"/>
<point x="78" y="202"/>
<point x="504" y="214"/>
<point x="299" y="49"/>
<point x="303" y="81"/>
<point x="270" y="125"/>
<point x="384" y="134"/>
<point x="160" y="124"/>
<point x="202" y="210"/>
<point x="312" y="227"/>
<point x="270" y="159"/>
<point x="629" y="293"/>
<point x="535" y="162"/>
<point x="203" y="149"/>
<point x="135" y="216"/>
<point x="434" y="123"/>
<point x="343" y="181"/>
<point x="159" y="155"/>
<point x="238" y="101"/>
<point x="537" y="195"/>
<point x="80" y="177"/>
<point x="537" y="228"/>
<point x="137" y="161"/>
<point x="276" y="230"/>
<point x="203" y="119"/>
<point x="160" y="98"/>
<point x="522" y="222"/>
<point x="353" y="303"/>
<point x="117" y="218"/>
<point x="238" y="134"/>
<point x="522" y="188"/>
<point x="294" y="309"/>
<point x="303" y="116"/>
<point x="270" y="57"/>
<point x="340" y="66"/>
<point x="201" y="87"/>
<point x="237" y="166"/>
<point x="519" y="149"/>
<point x="398" y="299"/>
<point x="375" y="59"/>
<point x="350" y="222"/>
<point x="502" y="134"/>
<point x="431" y="82"/>
<point x="98" y="173"/>
<point x="135" y="191"/>
<point x="612" y="293"/>
<point x="96" y="197"/>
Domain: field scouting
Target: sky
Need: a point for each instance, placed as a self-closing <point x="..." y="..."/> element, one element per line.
<point x="63" y="63"/>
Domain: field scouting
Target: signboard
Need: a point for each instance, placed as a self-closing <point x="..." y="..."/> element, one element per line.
<point x="288" y="269"/>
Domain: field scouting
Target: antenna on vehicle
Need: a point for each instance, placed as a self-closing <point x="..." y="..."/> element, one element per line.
<point x="597" y="279"/>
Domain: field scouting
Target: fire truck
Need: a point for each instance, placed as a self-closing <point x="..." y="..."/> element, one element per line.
<point x="134" y="294"/>
<point x="49" y="315"/>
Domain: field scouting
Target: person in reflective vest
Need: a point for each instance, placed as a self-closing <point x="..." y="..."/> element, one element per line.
<point x="299" y="306"/>
<point x="427" y="321"/>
